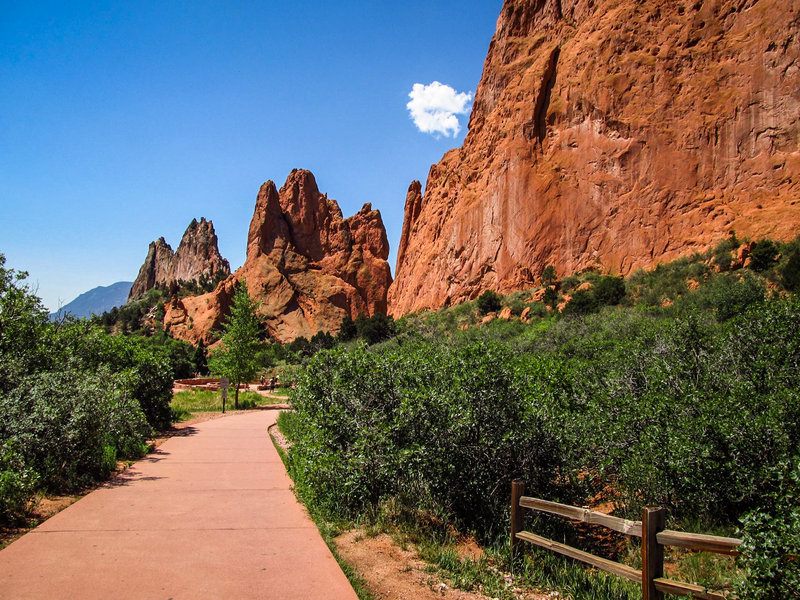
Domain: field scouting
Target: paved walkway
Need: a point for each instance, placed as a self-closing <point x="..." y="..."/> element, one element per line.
<point x="210" y="514"/>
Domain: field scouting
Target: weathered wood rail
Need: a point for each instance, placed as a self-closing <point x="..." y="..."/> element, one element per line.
<point x="650" y="529"/>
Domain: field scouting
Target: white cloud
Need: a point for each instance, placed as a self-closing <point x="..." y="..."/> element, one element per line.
<point x="434" y="107"/>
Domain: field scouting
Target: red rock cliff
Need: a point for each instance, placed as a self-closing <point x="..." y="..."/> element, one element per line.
<point x="307" y="265"/>
<point x="614" y="134"/>
<point x="197" y="257"/>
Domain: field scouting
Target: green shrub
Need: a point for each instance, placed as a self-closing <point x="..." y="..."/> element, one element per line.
<point x="489" y="301"/>
<point x="538" y="309"/>
<point x="582" y="302"/>
<point x="722" y="252"/>
<point x="73" y="399"/>
<point x="517" y="305"/>
<point x="570" y="283"/>
<point x="446" y="427"/>
<point x="23" y="326"/>
<point x="17" y="482"/>
<point x="762" y="256"/>
<point x="550" y="297"/>
<point x="771" y="541"/>
<point x="375" y="329"/>
<point x="609" y="290"/>
<point x="686" y="412"/>
<point x="790" y="274"/>
<point x="347" y="330"/>
<point x="730" y="297"/>
<point x="549" y="275"/>
<point x="64" y="422"/>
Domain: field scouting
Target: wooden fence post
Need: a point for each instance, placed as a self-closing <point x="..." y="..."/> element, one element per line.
<point x="653" y="521"/>
<point x="517" y="521"/>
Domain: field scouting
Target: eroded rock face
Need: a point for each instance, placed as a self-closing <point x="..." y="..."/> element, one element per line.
<point x="155" y="270"/>
<point x="307" y="265"/>
<point x="197" y="257"/>
<point x="614" y="134"/>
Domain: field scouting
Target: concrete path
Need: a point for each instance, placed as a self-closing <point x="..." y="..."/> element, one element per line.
<point x="210" y="514"/>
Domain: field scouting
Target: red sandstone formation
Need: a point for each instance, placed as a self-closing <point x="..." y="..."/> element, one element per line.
<point x="307" y="265"/>
<point x="614" y="134"/>
<point x="197" y="257"/>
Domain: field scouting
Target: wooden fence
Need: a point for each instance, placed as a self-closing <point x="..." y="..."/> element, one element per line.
<point x="650" y="529"/>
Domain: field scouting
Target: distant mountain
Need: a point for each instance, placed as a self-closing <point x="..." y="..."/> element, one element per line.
<point x="97" y="301"/>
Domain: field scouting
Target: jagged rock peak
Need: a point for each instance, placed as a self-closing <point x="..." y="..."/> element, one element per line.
<point x="198" y="254"/>
<point x="307" y="264"/>
<point x="612" y="134"/>
<point x="196" y="258"/>
<point x="411" y="212"/>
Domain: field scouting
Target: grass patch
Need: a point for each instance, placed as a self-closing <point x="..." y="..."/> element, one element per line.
<point x="481" y="575"/>
<point x="187" y="402"/>
<point x="540" y="568"/>
<point x="287" y="423"/>
<point x="282" y="390"/>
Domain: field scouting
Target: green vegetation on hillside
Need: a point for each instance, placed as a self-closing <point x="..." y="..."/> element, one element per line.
<point x="678" y="387"/>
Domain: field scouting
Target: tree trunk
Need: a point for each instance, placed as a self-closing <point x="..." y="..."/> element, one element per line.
<point x="236" y="397"/>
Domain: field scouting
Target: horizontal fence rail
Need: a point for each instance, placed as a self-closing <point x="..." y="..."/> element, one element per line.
<point x="601" y="563"/>
<point x="699" y="541"/>
<point x="650" y="529"/>
<point x="583" y="514"/>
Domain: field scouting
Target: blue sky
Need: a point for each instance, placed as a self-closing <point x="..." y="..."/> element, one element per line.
<point x="122" y="121"/>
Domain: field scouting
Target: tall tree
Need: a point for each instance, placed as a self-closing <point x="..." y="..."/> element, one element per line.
<point x="238" y="357"/>
<point x="199" y="358"/>
<point x="23" y="325"/>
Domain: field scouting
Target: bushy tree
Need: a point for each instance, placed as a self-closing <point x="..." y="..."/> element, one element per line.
<point x="322" y="340"/>
<point x="790" y="275"/>
<point x="199" y="358"/>
<point x="446" y="428"/>
<point x="674" y="408"/>
<point x="548" y="275"/>
<point x="722" y="252"/>
<point x="73" y="399"/>
<point x="609" y="290"/>
<point x="762" y="256"/>
<point x="550" y="297"/>
<point x="582" y="302"/>
<point x="24" y="328"/>
<point x="148" y="365"/>
<point x="238" y="357"/>
<point x="489" y="301"/>
<point x="70" y="427"/>
<point x="17" y="481"/>
<point x="300" y="345"/>
<point x="376" y="328"/>
<point x="731" y="297"/>
<point x="347" y="330"/>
